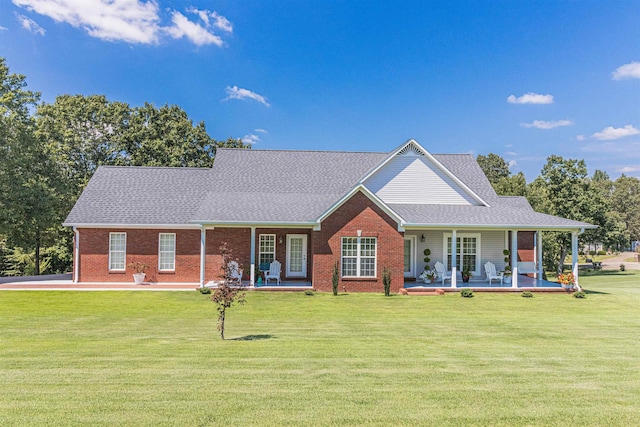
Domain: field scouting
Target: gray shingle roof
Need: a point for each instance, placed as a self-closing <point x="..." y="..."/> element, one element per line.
<point x="276" y="186"/>
<point x="131" y="195"/>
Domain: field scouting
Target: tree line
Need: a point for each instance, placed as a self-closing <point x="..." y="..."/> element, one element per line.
<point x="564" y="189"/>
<point x="49" y="151"/>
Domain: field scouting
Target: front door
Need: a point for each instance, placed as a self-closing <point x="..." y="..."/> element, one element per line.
<point x="409" y="256"/>
<point x="296" y="255"/>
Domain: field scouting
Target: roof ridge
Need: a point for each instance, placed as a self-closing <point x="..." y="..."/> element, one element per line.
<point x="154" y="167"/>
<point x="269" y="150"/>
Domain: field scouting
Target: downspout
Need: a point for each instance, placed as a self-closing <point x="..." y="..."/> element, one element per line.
<point x="203" y="253"/>
<point x="76" y="257"/>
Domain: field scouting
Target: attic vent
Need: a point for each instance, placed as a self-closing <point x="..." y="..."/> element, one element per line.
<point x="411" y="150"/>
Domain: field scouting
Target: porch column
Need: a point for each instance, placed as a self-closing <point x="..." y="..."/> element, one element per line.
<point x="253" y="257"/>
<point x="203" y="253"/>
<point x="76" y="254"/>
<point x="514" y="258"/>
<point x="454" y="260"/>
<point x="540" y="274"/>
<point x="574" y="256"/>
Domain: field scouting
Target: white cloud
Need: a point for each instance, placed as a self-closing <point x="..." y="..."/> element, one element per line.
<point x="629" y="169"/>
<point x="198" y="34"/>
<point x="581" y="137"/>
<point x="250" y="138"/>
<point x="512" y="164"/>
<point x="615" y="133"/>
<point x="510" y="153"/>
<point x="541" y="124"/>
<point x="627" y="71"/>
<point x="530" y="98"/>
<point x="131" y="21"/>
<point x="3" y="28"/>
<point x="234" y="92"/>
<point x="30" y="25"/>
<point x="260" y="130"/>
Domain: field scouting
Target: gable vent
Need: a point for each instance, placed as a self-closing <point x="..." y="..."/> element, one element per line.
<point x="411" y="150"/>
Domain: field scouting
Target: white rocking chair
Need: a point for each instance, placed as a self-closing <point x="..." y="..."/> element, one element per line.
<point x="273" y="273"/>
<point x="442" y="272"/>
<point x="490" y="269"/>
<point x="235" y="272"/>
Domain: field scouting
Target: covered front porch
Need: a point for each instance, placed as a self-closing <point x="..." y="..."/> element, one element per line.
<point x="524" y="283"/>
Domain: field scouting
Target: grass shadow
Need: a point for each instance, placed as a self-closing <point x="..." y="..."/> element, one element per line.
<point x="253" y="337"/>
<point x="587" y="291"/>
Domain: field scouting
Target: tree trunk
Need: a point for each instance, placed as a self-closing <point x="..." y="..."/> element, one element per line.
<point x="563" y="255"/>
<point x="37" y="252"/>
<point x="221" y="323"/>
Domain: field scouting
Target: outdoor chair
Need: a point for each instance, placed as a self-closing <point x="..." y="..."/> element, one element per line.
<point x="273" y="273"/>
<point x="490" y="269"/>
<point x="235" y="272"/>
<point x="442" y="272"/>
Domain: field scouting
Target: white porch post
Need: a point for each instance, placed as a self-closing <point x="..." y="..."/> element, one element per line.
<point x="76" y="257"/>
<point x="514" y="258"/>
<point x="574" y="256"/>
<point x="454" y="261"/>
<point x="540" y="274"/>
<point x="253" y="256"/>
<point x="203" y="253"/>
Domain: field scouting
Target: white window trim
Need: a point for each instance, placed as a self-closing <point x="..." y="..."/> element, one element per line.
<point x="275" y="246"/>
<point x="358" y="257"/>
<point x="478" y="237"/>
<point x="125" y="251"/>
<point x="174" y="252"/>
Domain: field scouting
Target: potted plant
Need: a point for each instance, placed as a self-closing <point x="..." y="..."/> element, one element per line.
<point x="465" y="273"/>
<point x="429" y="276"/>
<point x="507" y="274"/>
<point x="427" y="260"/>
<point x="567" y="281"/>
<point x="140" y="269"/>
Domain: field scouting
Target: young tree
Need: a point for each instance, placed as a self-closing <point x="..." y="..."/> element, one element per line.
<point x="227" y="293"/>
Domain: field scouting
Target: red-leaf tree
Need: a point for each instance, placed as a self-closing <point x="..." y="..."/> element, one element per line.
<point x="230" y="291"/>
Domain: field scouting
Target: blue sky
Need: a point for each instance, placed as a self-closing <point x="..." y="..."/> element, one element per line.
<point x="523" y="79"/>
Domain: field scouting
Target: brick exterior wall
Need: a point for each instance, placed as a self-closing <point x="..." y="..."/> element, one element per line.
<point x="526" y="248"/>
<point x="142" y="246"/>
<point x="358" y="213"/>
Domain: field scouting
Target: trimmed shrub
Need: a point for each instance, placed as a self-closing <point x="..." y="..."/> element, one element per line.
<point x="334" y="278"/>
<point x="602" y="252"/>
<point x="527" y="294"/>
<point x="592" y="252"/>
<point x="386" y="281"/>
<point x="204" y="290"/>
<point x="622" y="267"/>
<point x="466" y="293"/>
<point x="580" y="294"/>
<point x="309" y="292"/>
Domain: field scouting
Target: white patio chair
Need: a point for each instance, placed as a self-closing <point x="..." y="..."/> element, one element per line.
<point x="442" y="272"/>
<point x="235" y="272"/>
<point x="273" y="273"/>
<point x="490" y="269"/>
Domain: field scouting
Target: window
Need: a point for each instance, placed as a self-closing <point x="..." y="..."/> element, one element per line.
<point x="267" y="248"/>
<point x="359" y="256"/>
<point x="467" y="251"/>
<point x="117" y="251"/>
<point x="167" y="252"/>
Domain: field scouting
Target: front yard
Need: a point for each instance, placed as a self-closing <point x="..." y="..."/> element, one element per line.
<point x="154" y="358"/>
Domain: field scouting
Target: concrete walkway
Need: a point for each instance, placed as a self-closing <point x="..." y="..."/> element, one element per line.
<point x="63" y="282"/>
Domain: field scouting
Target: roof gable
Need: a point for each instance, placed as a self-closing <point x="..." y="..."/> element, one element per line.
<point x="411" y="175"/>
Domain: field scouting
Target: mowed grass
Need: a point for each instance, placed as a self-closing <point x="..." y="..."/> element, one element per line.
<point x="155" y="358"/>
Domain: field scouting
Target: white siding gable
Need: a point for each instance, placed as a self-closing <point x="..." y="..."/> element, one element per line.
<point x="411" y="178"/>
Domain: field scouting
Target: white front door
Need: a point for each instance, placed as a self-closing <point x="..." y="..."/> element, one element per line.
<point x="296" y="255"/>
<point x="410" y="256"/>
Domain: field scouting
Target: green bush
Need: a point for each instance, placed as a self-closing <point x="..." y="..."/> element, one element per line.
<point x="334" y="278"/>
<point x="386" y="281"/>
<point x="592" y="252"/>
<point x="527" y="294"/>
<point x="204" y="290"/>
<point x="466" y="293"/>
<point x="602" y="252"/>
<point x="309" y="292"/>
<point x="580" y="294"/>
<point x="622" y="267"/>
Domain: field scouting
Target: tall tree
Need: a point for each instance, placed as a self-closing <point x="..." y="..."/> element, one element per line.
<point x="29" y="199"/>
<point x="562" y="189"/>
<point x="625" y="199"/>
<point x="497" y="171"/>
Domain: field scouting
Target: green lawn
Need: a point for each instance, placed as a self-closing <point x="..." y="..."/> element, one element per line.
<point x="154" y="358"/>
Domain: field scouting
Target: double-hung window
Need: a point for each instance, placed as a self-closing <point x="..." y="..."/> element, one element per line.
<point x="167" y="252"/>
<point x="467" y="251"/>
<point x="267" y="247"/>
<point x="359" y="256"/>
<point x="117" y="251"/>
